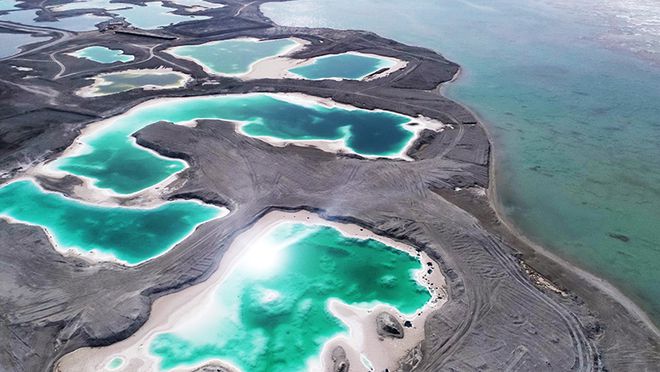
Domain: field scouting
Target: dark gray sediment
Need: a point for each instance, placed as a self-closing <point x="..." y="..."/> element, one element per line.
<point x="498" y="316"/>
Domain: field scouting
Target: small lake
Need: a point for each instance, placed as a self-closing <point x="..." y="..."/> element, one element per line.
<point x="349" y="66"/>
<point x="271" y="312"/>
<point x="232" y="57"/>
<point x="11" y="43"/>
<point x="102" y="54"/>
<point x="122" y="81"/>
<point x="286" y="293"/>
<point x="114" y="162"/>
<point x="85" y="22"/>
<point x="130" y="235"/>
<point x="154" y="15"/>
<point x="8" y="5"/>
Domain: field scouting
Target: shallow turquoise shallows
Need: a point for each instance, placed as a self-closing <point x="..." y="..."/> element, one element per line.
<point x="270" y="313"/>
<point x="103" y="55"/>
<point x="576" y="125"/>
<point x="130" y="235"/>
<point x="116" y="163"/>
<point x="342" y="66"/>
<point x="234" y="56"/>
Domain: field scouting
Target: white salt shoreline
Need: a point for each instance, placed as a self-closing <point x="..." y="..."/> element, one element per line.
<point x="167" y="310"/>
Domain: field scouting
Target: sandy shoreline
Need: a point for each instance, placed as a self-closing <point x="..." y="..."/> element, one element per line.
<point x="167" y="310"/>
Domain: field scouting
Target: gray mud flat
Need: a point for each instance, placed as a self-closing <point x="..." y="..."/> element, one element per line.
<point x="497" y="316"/>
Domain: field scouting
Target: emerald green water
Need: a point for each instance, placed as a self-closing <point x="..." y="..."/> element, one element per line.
<point x="117" y="82"/>
<point x="114" y="162"/>
<point x="234" y="56"/>
<point x="270" y="313"/>
<point x="342" y="66"/>
<point x="103" y="55"/>
<point x="575" y="121"/>
<point x="115" y="363"/>
<point x="131" y="235"/>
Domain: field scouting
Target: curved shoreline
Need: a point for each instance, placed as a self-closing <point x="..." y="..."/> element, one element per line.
<point x="167" y="311"/>
<point x="494" y="202"/>
<point x="83" y="325"/>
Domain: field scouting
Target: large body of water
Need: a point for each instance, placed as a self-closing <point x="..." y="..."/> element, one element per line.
<point x="113" y="161"/>
<point x="575" y="123"/>
<point x="271" y="312"/>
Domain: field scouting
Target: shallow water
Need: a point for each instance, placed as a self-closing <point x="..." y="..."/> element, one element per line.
<point x="194" y="3"/>
<point x="270" y="312"/>
<point x="117" y="82"/>
<point x="85" y="22"/>
<point x="8" y="5"/>
<point x="154" y="15"/>
<point x="234" y="56"/>
<point x="11" y="44"/>
<point x="117" y="164"/>
<point x="342" y="66"/>
<point x="91" y="4"/>
<point x="576" y="124"/>
<point x="103" y="55"/>
<point x="115" y="363"/>
<point x="130" y="235"/>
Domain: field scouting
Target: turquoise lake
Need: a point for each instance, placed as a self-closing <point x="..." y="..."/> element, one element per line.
<point x="575" y="123"/>
<point x="132" y="235"/>
<point x="103" y="55"/>
<point x="116" y="163"/>
<point x="342" y="66"/>
<point x="270" y="313"/>
<point x="233" y="56"/>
